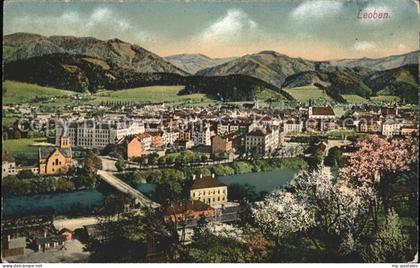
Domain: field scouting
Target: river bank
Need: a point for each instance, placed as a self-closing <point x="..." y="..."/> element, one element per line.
<point x="264" y="175"/>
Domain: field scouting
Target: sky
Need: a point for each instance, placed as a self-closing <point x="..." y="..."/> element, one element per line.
<point x="310" y="29"/>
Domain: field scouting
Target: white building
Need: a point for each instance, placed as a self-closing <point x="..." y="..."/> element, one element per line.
<point x="97" y="134"/>
<point x="292" y="126"/>
<point x="391" y="128"/>
<point x="229" y="126"/>
<point x="8" y="165"/>
<point x="171" y="136"/>
<point x="262" y="141"/>
<point x="201" y="135"/>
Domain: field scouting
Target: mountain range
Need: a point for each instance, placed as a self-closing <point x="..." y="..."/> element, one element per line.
<point x="89" y="64"/>
<point x="380" y="64"/>
<point x="22" y="46"/>
<point x="192" y="63"/>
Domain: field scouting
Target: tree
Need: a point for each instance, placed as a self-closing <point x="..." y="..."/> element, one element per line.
<point x="126" y="239"/>
<point x="323" y="210"/>
<point x="169" y="161"/>
<point x="374" y="165"/>
<point x="180" y="161"/>
<point x="258" y="246"/>
<point x="82" y="180"/>
<point x="161" y="161"/>
<point x="316" y="159"/>
<point x="92" y="163"/>
<point x="114" y="204"/>
<point x="335" y="158"/>
<point x="203" y="158"/>
<point x="389" y="244"/>
<point x="121" y="164"/>
<point x="153" y="158"/>
<point x="142" y="160"/>
<point x="207" y="247"/>
<point x="26" y="174"/>
<point x="376" y="156"/>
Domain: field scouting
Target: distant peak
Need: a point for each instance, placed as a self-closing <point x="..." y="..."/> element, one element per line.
<point x="116" y="40"/>
<point x="23" y="34"/>
<point x="272" y="52"/>
<point x="188" y="55"/>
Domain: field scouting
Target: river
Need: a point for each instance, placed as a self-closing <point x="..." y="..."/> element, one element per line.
<point x="263" y="181"/>
<point x="57" y="203"/>
<point x="63" y="203"/>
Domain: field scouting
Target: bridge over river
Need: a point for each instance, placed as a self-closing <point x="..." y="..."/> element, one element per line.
<point x="123" y="187"/>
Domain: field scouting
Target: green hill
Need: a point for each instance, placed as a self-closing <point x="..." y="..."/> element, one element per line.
<point x="401" y="82"/>
<point x="306" y="93"/>
<point x="18" y="92"/>
<point x="152" y="94"/>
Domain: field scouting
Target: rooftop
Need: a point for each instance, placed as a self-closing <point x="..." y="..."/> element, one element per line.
<point x="206" y="182"/>
<point x="7" y="157"/>
<point x="185" y="206"/>
<point x="257" y="132"/>
<point x="322" y="111"/>
<point x="45" y="152"/>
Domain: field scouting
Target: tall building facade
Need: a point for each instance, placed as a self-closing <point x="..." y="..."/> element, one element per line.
<point x="97" y="134"/>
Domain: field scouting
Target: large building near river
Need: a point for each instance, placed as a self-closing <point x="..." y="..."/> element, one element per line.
<point x="97" y="134"/>
<point x="209" y="190"/>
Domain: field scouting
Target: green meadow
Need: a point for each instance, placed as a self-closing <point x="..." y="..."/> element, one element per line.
<point x="17" y="92"/>
<point x="152" y="94"/>
<point x="23" y="148"/>
<point x="306" y="93"/>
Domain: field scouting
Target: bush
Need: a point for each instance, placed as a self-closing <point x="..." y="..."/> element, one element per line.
<point x="241" y="167"/>
<point x="222" y="170"/>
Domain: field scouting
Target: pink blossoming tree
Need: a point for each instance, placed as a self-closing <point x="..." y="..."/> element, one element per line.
<point x="376" y="156"/>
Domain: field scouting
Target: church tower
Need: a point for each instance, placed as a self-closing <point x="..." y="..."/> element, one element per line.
<point x="65" y="142"/>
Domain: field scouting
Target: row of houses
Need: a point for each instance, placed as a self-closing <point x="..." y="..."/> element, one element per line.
<point x="387" y="122"/>
<point x="91" y="133"/>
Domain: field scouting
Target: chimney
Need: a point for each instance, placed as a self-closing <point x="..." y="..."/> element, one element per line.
<point x="8" y="238"/>
<point x="193" y="177"/>
<point x="212" y="175"/>
<point x="201" y="175"/>
<point x="45" y="234"/>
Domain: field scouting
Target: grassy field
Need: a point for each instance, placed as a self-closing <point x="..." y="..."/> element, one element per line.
<point x="385" y="98"/>
<point x="8" y="121"/>
<point x="306" y="93"/>
<point x="153" y="94"/>
<point x="17" y="92"/>
<point x="23" y="148"/>
<point x="268" y="94"/>
<point x="355" y="99"/>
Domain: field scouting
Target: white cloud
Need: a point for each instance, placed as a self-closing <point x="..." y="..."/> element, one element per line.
<point x="236" y="24"/>
<point x="101" y="14"/>
<point x="317" y="9"/>
<point x="364" y="46"/>
<point x="70" y="17"/>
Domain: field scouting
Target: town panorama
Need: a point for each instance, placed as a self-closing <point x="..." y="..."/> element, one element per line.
<point x="210" y="132"/>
